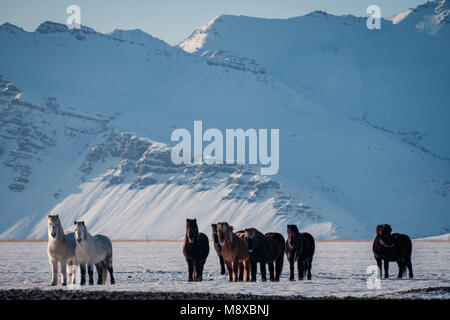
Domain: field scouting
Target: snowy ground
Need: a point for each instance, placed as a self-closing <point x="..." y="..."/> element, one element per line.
<point x="339" y="269"/>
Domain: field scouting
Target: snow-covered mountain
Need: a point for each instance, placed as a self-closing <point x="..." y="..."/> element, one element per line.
<point x="395" y="79"/>
<point x="86" y="119"/>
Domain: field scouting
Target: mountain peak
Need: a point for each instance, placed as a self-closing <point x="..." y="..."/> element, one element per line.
<point x="48" y="27"/>
<point x="134" y="35"/>
<point x="51" y="27"/>
<point x="10" y="27"/>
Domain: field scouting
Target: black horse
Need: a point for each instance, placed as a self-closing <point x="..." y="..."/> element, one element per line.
<point x="392" y="247"/>
<point x="299" y="247"/>
<point x="266" y="249"/>
<point x="195" y="249"/>
<point x="218" y="247"/>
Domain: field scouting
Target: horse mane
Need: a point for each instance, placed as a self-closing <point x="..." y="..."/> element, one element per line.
<point x="383" y="227"/>
<point x="255" y="231"/>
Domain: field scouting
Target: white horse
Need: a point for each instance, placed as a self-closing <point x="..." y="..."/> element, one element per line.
<point x="61" y="249"/>
<point x="93" y="250"/>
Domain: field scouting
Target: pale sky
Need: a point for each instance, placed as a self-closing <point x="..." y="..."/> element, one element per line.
<point x="174" y="20"/>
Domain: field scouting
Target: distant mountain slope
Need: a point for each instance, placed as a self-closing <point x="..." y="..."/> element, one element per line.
<point x="76" y="165"/>
<point x="395" y="79"/>
<point x="338" y="177"/>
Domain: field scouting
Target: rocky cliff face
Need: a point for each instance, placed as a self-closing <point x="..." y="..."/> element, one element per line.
<point x="29" y="132"/>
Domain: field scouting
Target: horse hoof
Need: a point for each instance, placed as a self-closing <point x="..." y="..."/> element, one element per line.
<point x="64" y="284"/>
<point x="53" y="284"/>
<point x="113" y="282"/>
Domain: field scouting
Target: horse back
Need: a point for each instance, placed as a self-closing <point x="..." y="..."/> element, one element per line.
<point x="403" y="244"/>
<point x="276" y="238"/>
<point x="276" y="244"/>
<point x="307" y="245"/>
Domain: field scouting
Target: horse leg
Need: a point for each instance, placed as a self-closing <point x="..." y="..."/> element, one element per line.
<point x="271" y="271"/>
<point x="83" y="274"/>
<point x="195" y="272"/>
<point x="291" y="268"/>
<point x="300" y="267"/>
<point x="254" y="268"/>
<point x="90" y="273"/>
<point x="222" y="265"/>
<point x="380" y="265"/>
<point x="54" y="264"/>
<point x="98" y="267"/>
<point x="263" y="271"/>
<point x="409" y="265"/>
<point x="190" y="270"/>
<point x="110" y="270"/>
<point x="247" y="267"/>
<point x="386" y="268"/>
<point x="63" y="266"/>
<point x="309" y="268"/>
<point x="72" y="271"/>
<point x="401" y="267"/>
<point x="230" y="271"/>
<point x="198" y="272"/>
<point x="235" y="271"/>
<point x="279" y="267"/>
<point x="104" y="271"/>
<point x="241" y="271"/>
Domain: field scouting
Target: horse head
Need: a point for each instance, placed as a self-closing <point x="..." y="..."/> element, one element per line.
<point x="251" y="239"/>
<point x="54" y="226"/>
<point x="293" y="235"/>
<point x="80" y="231"/>
<point x="383" y="232"/>
<point x="191" y="230"/>
<point x="225" y="232"/>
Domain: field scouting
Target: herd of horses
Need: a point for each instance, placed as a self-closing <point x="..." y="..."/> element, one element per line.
<point x="239" y="252"/>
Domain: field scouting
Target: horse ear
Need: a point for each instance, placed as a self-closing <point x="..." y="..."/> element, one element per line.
<point x="82" y="222"/>
<point x="74" y="223"/>
<point x="57" y="215"/>
<point x="378" y="230"/>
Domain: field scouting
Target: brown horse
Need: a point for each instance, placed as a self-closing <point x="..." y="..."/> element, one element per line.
<point x="266" y="249"/>
<point x="195" y="250"/>
<point x="234" y="252"/>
